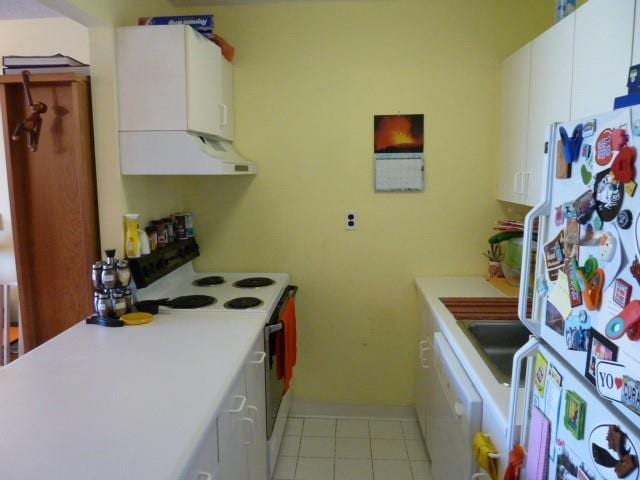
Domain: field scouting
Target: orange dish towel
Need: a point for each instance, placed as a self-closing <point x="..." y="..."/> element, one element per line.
<point x="290" y="341"/>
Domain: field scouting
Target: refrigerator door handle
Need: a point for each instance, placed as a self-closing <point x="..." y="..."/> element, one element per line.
<point x="542" y="209"/>
<point x="524" y="352"/>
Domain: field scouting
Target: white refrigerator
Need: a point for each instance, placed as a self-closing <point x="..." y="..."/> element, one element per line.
<point x="577" y="416"/>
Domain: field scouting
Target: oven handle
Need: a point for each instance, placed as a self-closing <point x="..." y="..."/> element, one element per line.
<point x="276" y="327"/>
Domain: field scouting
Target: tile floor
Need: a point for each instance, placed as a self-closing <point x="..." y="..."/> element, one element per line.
<point x="341" y="449"/>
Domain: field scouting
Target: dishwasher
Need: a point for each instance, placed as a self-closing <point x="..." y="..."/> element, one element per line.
<point x="454" y="416"/>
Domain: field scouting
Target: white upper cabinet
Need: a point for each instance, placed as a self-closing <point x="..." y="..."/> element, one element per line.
<point x="513" y="135"/>
<point x="602" y="55"/>
<point x="549" y="98"/>
<point x="171" y="78"/>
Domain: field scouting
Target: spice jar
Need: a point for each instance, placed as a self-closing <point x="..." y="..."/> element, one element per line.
<point x="152" y="233"/>
<point x="104" y="306"/>
<point x="123" y="273"/>
<point x="128" y="298"/>
<point x="168" y="223"/>
<point x="96" y="275"/>
<point x="161" y="230"/>
<point x="109" y="276"/>
<point x="119" y="303"/>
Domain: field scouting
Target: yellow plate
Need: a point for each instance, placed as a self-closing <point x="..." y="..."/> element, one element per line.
<point x="136" y="318"/>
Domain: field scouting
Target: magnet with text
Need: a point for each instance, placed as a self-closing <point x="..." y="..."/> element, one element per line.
<point x="608" y="194"/>
<point x="621" y="292"/>
<point x="609" y="379"/>
<point x="589" y="128"/>
<point x="604" y="148"/>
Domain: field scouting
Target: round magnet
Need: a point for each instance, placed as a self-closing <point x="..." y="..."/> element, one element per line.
<point x="625" y="219"/>
<point x="615" y="328"/>
<point x="608" y="195"/>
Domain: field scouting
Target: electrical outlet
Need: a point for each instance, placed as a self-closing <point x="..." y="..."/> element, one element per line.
<point x="351" y="220"/>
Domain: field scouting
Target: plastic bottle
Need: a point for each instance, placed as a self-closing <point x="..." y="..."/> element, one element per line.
<point x="131" y="235"/>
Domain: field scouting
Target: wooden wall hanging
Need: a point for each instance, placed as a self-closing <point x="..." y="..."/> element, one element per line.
<point x="53" y="202"/>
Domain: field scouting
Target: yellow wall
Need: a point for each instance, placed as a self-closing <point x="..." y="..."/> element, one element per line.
<point x="309" y="77"/>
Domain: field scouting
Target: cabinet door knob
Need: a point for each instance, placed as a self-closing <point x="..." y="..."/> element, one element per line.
<point x="242" y="400"/>
<point x="260" y="356"/>
<point x="224" y="115"/>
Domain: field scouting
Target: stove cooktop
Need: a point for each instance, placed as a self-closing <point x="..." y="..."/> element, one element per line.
<point x="257" y="292"/>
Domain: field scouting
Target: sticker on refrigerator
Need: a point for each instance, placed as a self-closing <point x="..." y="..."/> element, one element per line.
<point x="553" y="319"/>
<point x="604" y="150"/>
<point x="613" y="453"/>
<point x="554" y="256"/>
<point x="608" y="194"/>
<point x="577" y="330"/>
<point x="615" y="382"/>
<point x="552" y="401"/>
<point x="575" y="412"/>
<point x="623" y="168"/>
<point x="569" y="466"/>
<point x="540" y="373"/>
<point x="600" y="348"/>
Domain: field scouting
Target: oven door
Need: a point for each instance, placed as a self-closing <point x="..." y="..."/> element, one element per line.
<point x="275" y="348"/>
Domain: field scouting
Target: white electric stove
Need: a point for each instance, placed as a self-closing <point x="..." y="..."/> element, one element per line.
<point x="246" y="292"/>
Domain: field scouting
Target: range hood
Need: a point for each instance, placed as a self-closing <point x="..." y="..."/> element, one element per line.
<point x="179" y="153"/>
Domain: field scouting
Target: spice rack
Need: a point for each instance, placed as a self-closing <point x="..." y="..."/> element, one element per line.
<point x="147" y="269"/>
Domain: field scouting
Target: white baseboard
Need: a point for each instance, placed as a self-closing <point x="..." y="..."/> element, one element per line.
<point x="306" y="408"/>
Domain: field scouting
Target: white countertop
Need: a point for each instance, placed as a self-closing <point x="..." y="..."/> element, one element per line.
<point x="120" y="403"/>
<point x="495" y="396"/>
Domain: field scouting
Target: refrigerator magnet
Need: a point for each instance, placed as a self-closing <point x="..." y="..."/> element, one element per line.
<point x="613" y="453"/>
<point x="586" y="175"/>
<point x="619" y="139"/>
<point x="575" y="413"/>
<point x="623" y="167"/>
<point x="621" y="292"/>
<point x="604" y="150"/>
<point x="589" y="128"/>
<point x="630" y="188"/>
<point x="608" y="194"/>
<point x="540" y="373"/>
<point x="600" y="348"/>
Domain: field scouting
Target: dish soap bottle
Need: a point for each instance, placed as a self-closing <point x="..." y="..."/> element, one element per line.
<point x="132" y="237"/>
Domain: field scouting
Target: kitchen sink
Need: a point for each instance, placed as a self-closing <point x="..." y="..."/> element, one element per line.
<point x="497" y="341"/>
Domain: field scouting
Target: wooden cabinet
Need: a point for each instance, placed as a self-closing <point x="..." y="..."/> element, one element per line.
<point x="171" y="78"/>
<point x="514" y="118"/>
<point x="602" y="55"/>
<point x="53" y="202"/>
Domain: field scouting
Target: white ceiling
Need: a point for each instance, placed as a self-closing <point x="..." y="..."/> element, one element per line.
<point x="16" y="9"/>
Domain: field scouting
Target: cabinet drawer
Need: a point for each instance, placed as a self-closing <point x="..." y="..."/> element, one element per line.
<point x="204" y="464"/>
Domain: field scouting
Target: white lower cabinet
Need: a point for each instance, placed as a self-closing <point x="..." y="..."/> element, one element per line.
<point x="204" y="463"/>
<point x="425" y="374"/>
<point x="256" y="409"/>
<point x="234" y="433"/>
<point x="234" y="446"/>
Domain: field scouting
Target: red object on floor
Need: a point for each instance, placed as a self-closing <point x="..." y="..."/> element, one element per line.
<point x="516" y="459"/>
<point x="290" y="341"/>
